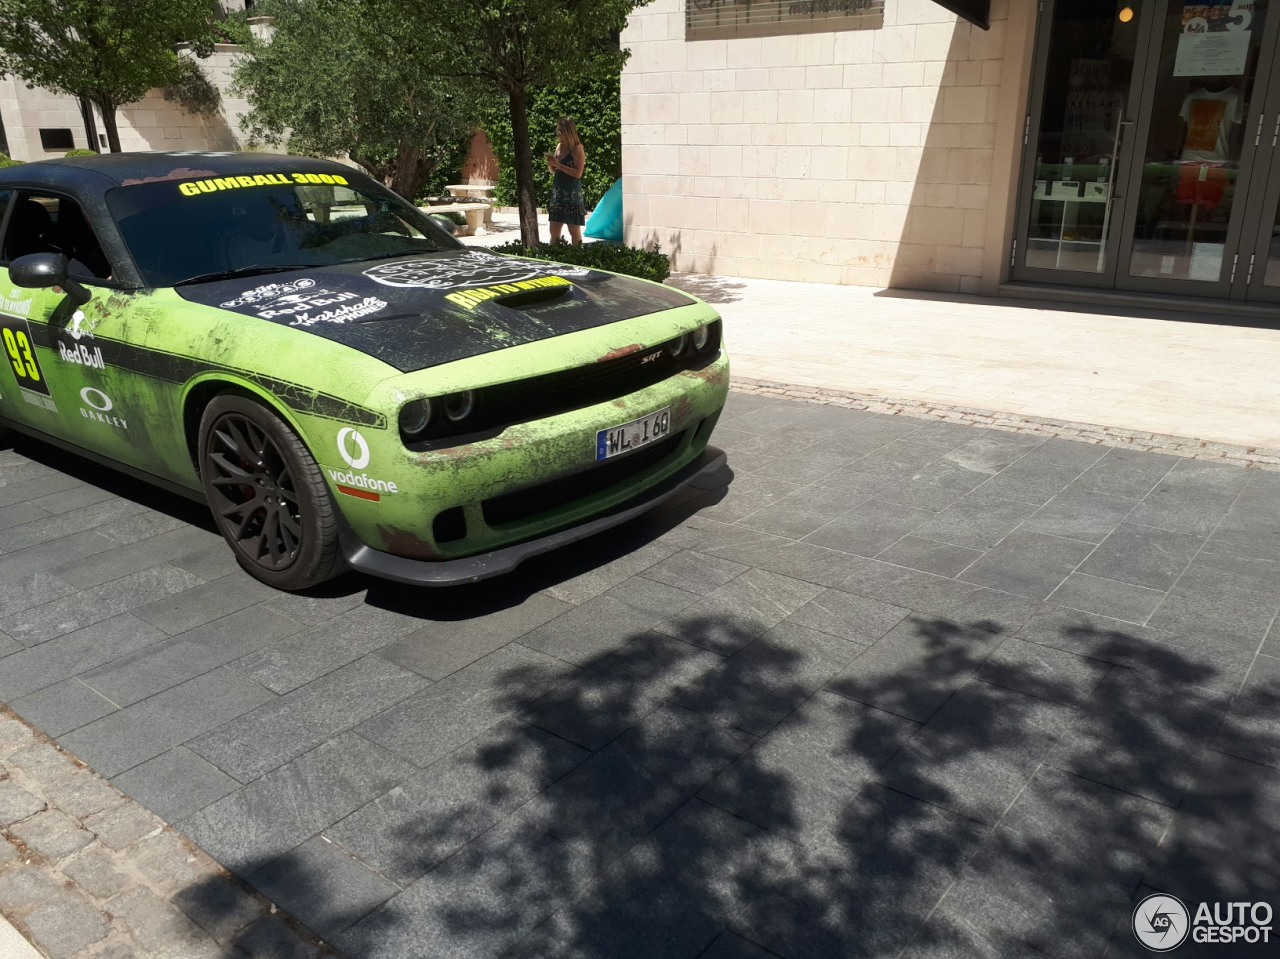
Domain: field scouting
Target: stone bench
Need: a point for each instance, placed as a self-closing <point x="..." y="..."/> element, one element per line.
<point x="475" y="213"/>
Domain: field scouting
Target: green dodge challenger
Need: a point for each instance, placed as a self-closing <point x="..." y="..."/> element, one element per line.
<point x="344" y="383"/>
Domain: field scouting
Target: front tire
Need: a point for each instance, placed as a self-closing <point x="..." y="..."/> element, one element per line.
<point x="267" y="495"/>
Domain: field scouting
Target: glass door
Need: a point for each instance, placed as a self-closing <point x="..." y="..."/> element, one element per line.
<point x="1258" y="270"/>
<point x="1199" y="158"/>
<point x="1091" y="56"/>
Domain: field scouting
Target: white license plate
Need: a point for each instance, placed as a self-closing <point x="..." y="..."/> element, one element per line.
<point x="631" y="436"/>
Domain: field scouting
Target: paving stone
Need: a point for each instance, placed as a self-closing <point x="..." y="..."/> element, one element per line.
<point x="443" y="647"/>
<point x="1058" y="871"/>
<point x="254" y="743"/>
<point x="95" y="869"/>
<point x="297" y="660"/>
<point x="943" y="937"/>
<point x="63" y="524"/>
<point x="1080" y="513"/>
<point x="1141" y="733"/>
<point x="760" y="684"/>
<point x="271" y="815"/>
<point x="943" y="559"/>
<point x="15" y="735"/>
<point x="788" y="521"/>
<point x="168" y="663"/>
<point x="1217" y="604"/>
<point x="34" y="590"/>
<point x="21" y="889"/>
<point x="219" y="905"/>
<point x="43" y="762"/>
<point x="1127" y="473"/>
<point x="65" y="926"/>
<point x="144" y="730"/>
<point x="432" y="723"/>
<point x="1028" y="564"/>
<point x="587" y="632"/>
<point x="22" y="563"/>
<point x="868" y="889"/>
<point x="168" y="862"/>
<point x="1182" y="509"/>
<point x="62" y="658"/>
<point x="210" y="563"/>
<point x="1043" y="672"/>
<point x="323" y="886"/>
<point x="991" y="452"/>
<point x="408" y="830"/>
<point x="803" y="468"/>
<point x="1252" y="729"/>
<point x="17" y="803"/>
<point x="312" y="609"/>
<point x="748" y="494"/>
<point x="1109" y="597"/>
<point x="89" y="570"/>
<point x="122" y="825"/>
<point x="91" y="606"/>
<point x="694" y="571"/>
<point x="1143" y="556"/>
<point x="858" y="619"/>
<point x="913" y="669"/>
<point x="595" y="578"/>
<point x="596" y="704"/>
<point x="140" y="526"/>
<point x="49" y="481"/>
<point x="270" y="938"/>
<point x="1034" y="482"/>
<point x="730" y="945"/>
<point x="67" y="500"/>
<point x="797" y="779"/>
<point x="978" y="521"/>
<point x="52" y="834"/>
<point x="804" y="562"/>
<point x="631" y="785"/>
<point x="870" y="528"/>
<point x="475" y="904"/>
<point x="204" y="603"/>
<point x="176" y="784"/>
<point x="875" y="432"/>
<point x="156" y="925"/>
<point x="979" y="750"/>
<point x="1256" y="562"/>
<point x="739" y="611"/>
<point x="62" y="707"/>
<point x="1197" y="473"/>
<point x="8" y="645"/>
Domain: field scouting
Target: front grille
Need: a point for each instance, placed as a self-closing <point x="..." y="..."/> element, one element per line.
<point x="522" y="401"/>
<point x="532" y="500"/>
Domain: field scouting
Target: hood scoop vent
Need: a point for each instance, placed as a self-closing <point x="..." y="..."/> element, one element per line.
<point x="527" y="298"/>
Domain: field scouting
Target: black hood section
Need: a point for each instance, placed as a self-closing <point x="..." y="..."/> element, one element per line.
<point x="417" y="312"/>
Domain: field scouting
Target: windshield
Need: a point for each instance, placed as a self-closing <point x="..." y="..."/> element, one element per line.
<point x="182" y="230"/>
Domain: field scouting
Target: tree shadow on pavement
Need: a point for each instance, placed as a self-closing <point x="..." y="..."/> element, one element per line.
<point x="713" y="289"/>
<point x="718" y="789"/>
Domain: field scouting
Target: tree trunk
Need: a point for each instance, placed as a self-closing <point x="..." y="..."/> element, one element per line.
<point x="411" y="172"/>
<point x="526" y="197"/>
<point x="109" y="121"/>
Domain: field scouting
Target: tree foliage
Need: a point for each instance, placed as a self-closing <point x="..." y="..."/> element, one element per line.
<point x="333" y="81"/>
<point x="110" y="53"/>
<point x="516" y="47"/>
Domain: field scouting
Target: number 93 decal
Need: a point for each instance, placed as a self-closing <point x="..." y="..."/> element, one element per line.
<point x="21" y="353"/>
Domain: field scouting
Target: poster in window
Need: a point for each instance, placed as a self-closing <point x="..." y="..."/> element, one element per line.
<point x="1215" y="39"/>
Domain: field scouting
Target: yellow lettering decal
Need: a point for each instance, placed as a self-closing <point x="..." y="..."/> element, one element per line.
<point x="227" y="183"/>
<point x="244" y="180"/>
<point x="188" y="189"/>
<point x="262" y="180"/>
<point x="207" y="187"/>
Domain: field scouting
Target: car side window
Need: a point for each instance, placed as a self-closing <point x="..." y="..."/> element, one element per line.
<point x="5" y="196"/>
<point x="51" y="224"/>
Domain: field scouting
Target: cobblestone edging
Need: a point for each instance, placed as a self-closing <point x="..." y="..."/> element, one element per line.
<point x="87" y="873"/>
<point x="1254" y="456"/>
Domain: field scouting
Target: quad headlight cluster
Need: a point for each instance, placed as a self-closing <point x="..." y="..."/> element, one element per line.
<point x="418" y="416"/>
<point x="440" y="421"/>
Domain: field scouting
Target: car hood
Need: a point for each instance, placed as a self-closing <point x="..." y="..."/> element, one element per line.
<point x="422" y="311"/>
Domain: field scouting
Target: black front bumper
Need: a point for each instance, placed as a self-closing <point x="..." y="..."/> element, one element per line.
<point x="471" y="569"/>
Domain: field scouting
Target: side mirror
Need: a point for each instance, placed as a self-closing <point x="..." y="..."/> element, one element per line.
<point x="42" y="270"/>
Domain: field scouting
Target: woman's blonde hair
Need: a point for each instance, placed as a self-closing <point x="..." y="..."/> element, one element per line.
<point x="567" y="131"/>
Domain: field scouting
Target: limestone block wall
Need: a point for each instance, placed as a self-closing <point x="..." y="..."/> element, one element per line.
<point x="880" y="157"/>
<point x="153" y="123"/>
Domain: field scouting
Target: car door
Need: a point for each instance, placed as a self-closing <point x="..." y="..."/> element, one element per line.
<point x="62" y="380"/>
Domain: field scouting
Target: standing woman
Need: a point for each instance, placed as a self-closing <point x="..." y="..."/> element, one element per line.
<point x="567" y="163"/>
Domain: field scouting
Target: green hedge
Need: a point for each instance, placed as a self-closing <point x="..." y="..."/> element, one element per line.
<point x="5" y="161"/>
<point x="631" y="260"/>
<point x="81" y="153"/>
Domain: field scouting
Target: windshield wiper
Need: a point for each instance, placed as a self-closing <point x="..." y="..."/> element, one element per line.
<point x="244" y="271"/>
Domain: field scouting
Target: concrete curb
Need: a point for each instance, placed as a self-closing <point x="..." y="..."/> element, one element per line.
<point x="1190" y="447"/>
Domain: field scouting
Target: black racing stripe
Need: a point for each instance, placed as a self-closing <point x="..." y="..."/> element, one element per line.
<point x="175" y="368"/>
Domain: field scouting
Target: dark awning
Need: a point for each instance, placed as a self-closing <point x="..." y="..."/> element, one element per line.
<point x="977" y="12"/>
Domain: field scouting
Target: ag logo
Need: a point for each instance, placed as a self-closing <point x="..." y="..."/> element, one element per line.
<point x="1161" y="922"/>
<point x="360" y="458"/>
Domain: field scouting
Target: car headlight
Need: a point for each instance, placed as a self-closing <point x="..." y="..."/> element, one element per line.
<point x="458" y="406"/>
<point x="415" y="417"/>
<point x="676" y="347"/>
<point x="701" y="337"/>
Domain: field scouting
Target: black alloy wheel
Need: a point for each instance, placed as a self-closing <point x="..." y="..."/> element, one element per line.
<point x="267" y="495"/>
